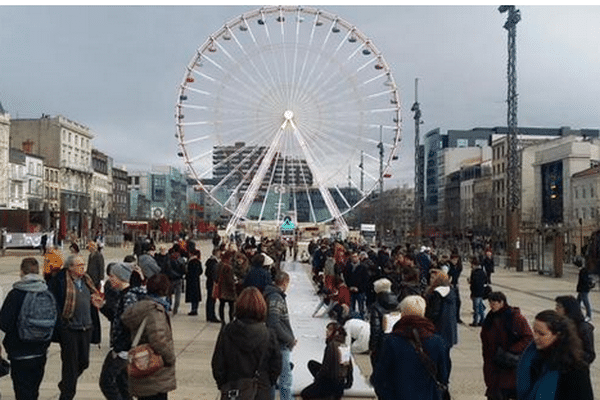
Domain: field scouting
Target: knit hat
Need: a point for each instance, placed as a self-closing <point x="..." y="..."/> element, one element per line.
<point x="382" y="285"/>
<point x="413" y="305"/>
<point x="122" y="271"/>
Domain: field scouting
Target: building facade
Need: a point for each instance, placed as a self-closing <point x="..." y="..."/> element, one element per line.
<point x="66" y="145"/>
<point x="4" y="146"/>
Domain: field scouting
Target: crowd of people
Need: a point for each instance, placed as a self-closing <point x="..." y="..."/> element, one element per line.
<point x="400" y="306"/>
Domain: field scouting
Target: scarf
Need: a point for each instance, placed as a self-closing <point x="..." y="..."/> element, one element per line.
<point x="407" y="323"/>
<point x="160" y="300"/>
<point x="529" y="387"/>
<point x="69" y="307"/>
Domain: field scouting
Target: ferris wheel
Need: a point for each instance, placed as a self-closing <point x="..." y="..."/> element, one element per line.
<point x="288" y="112"/>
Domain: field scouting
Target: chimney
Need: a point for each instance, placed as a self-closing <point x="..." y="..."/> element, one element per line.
<point x="28" y="146"/>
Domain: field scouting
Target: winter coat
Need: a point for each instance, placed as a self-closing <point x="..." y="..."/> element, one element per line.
<point x="385" y="303"/>
<point x="477" y="282"/>
<point x="488" y="265"/>
<point x="441" y="310"/>
<point x="536" y="379"/>
<point x="399" y="373"/>
<point x="226" y="282"/>
<point x="58" y="286"/>
<point x="586" y="333"/>
<point x="95" y="267"/>
<point x="210" y="271"/>
<point x="159" y="335"/>
<point x="357" y="335"/>
<point x="9" y="315"/>
<point x="193" y="293"/>
<point x="278" y="317"/>
<point x="507" y="329"/>
<point x="357" y="277"/>
<point x="584" y="281"/>
<point x="240" y="346"/>
<point x="259" y="277"/>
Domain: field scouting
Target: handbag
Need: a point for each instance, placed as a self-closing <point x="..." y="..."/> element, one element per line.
<point x="243" y="388"/>
<point x="4" y="366"/>
<point x="429" y="365"/>
<point x="142" y="359"/>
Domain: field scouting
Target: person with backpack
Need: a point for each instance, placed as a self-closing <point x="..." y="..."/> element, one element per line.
<point x="28" y="317"/>
<point x="505" y="334"/>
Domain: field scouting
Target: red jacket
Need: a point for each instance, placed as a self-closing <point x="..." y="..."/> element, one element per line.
<point x="494" y="333"/>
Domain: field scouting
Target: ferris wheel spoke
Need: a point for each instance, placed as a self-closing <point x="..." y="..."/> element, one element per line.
<point x="267" y="69"/>
<point x="253" y="65"/>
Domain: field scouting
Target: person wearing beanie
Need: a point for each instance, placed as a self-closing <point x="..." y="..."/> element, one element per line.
<point x="400" y="372"/>
<point x="385" y="303"/>
<point x="113" y="376"/>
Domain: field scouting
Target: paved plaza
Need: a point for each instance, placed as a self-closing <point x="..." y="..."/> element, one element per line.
<point x="195" y="338"/>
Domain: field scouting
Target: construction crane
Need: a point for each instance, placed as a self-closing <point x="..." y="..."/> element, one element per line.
<point x="418" y="167"/>
<point x="513" y="164"/>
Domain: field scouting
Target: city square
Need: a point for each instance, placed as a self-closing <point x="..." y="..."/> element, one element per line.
<point x="386" y="125"/>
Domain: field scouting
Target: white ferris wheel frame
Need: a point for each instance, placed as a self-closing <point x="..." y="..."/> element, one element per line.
<point x="244" y="24"/>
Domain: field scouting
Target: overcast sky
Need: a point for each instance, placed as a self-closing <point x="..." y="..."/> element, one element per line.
<point x="117" y="69"/>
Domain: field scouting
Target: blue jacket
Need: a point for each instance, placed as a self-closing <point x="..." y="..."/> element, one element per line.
<point x="400" y="374"/>
<point x="258" y="277"/>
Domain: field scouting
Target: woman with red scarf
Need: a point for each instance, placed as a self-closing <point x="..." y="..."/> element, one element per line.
<point x="400" y="372"/>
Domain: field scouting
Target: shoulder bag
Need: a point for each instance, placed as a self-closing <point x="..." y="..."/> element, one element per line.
<point x="429" y="365"/>
<point x="243" y="388"/>
<point x="142" y="359"/>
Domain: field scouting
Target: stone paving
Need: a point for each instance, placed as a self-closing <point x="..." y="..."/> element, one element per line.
<point x="195" y="338"/>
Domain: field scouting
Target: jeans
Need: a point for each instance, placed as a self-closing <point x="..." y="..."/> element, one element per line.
<point x="478" y="310"/>
<point x="177" y="289"/>
<point x="359" y="298"/>
<point x="27" y="376"/>
<point x="284" y="383"/>
<point x="113" y="378"/>
<point x="210" y="302"/>
<point x="584" y="297"/>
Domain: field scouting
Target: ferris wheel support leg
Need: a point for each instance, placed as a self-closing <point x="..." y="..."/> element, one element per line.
<point x="250" y="195"/>
<point x="329" y="202"/>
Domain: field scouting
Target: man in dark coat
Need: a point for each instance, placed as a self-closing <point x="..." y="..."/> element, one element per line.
<point x="95" y="267"/>
<point x="400" y="373"/>
<point x="192" y="281"/>
<point x="28" y="359"/>
<point x="477" y="282"/>
<point x="357" y="280"/>
<point x="77" y="302"/>
<point x="211" y="267"/>
<point x="487" y="262"/>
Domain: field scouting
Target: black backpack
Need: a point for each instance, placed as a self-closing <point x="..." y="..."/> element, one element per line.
<point x="37" y="317"/>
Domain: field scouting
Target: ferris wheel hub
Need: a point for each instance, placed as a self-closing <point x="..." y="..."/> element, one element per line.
<point x="289" y="114"/>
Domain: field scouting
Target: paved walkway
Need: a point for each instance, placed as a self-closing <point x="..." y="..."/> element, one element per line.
<point x="195" y="338"/>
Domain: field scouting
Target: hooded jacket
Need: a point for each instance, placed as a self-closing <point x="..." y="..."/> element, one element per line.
<point x="9" y="315"/>
<point x="441" y="310"/>
<point x="278" y="317"/>
<point x="240" y="346"/>
<point x="159" y="335"/>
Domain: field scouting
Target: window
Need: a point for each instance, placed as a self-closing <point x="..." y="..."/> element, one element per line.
<point x="592" y="191"/>
<point x="576" y="193"/>
<point x="462" y="143"/>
